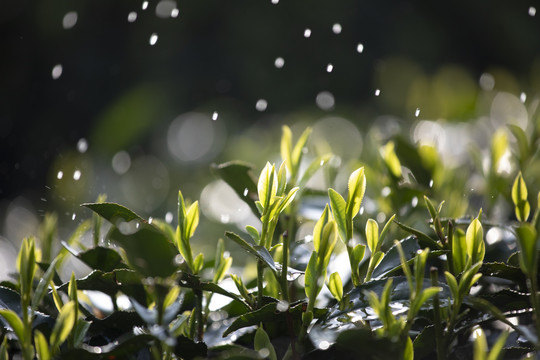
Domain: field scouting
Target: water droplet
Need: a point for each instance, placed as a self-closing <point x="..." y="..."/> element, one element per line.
<point x="132" y="16"/>
<point x="381" y="217"/>
<point x="325" y="100"/>
<point x="174" y="13"/>
<point x="360" y="48"/>
<point x="82" y="145"/>
<point x="56" y="71"/>
<point x="336" y="28"/>
<point x="523" y="97"/>
<point x="144" y="5"/>
<point x="307" y="33"/>
<point x="168" y="217"/>
<point x="225" y="218"/>
<point x="150" y="219"/>
<point x="77" y="175"/>
<point x="532" y="11"/>
<point x="164" y="8"/>
<point x="246" y="191"/>
<point x="324" y="345"/>
<point x="362" y="209"/>
<point x="417" y="112"/>
<point x="329" y="68"/>
<point x="153" y="39"/>
<point x="69" y="20"/>
<point x="261" y="105"/>
<point x="215" y="116"/>
<point x="279" y="62"/>
<point x="386" y="191"/>
<point x="121" y="162"/>
<point x="275" y="2"/>
<point x="73" y="216"/>
<point x="414" y="201"/>
<point x="282" y="306"/>
<point x="431" y="183"/>
<point x="60" y="175"/>
<point x="377" y="92"/>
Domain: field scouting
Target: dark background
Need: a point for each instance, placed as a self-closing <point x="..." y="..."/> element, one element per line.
<point x="116" y="90"/>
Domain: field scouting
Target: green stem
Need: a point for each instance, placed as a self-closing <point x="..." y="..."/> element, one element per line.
<point x="534" y="301"/>
<point x="437" y="317"/>
<point x="199" y="314"/>
<point x="260" y="285"/>
<point x="285" y="267"/>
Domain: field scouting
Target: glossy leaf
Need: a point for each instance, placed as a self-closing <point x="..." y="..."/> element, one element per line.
<point x="311" y="281"/>
<point x="357" y="255"/>
<point x="357" y="188"/>
<point x="335" y="286"/>
<point x="286" y="146"/>
<point x="423" y="239"/>
<point x="113" y="212"/>
<point x="372" y="235"/>
<point x="147" y="249"/>
<point x="339" y="208"/>
<point x="259" y="251"/>
<point x="101" y="258"/>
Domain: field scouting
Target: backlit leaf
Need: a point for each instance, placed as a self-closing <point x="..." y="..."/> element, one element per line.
<point x="357" y="188"/>
<point x="339" y="206"/>
<point x="372" y="235"/>
<point x="335" y="286"/>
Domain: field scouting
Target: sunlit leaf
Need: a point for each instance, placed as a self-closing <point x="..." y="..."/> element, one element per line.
<point x="281" y="179"/>
<point x="475" y="241"/>
<point x="335" y="286"/>
<point x="298" y="150"/>
<point x="430" y="207"/>
<point x="221" y="271"/>
<point x="113" y="212"/>
<point x="42" y="347"/>
<point x="519" y="197"/>
<point x="527" y="241"/>
<point x="357" y="255"/>
<point x="192" y="220"/>
<point x="15" y="323"/>
<point x="372" y="235"/>
<point x="408" y="353"/>
<point x="259" y="251"/>
<point x="254" y="233"/>
<point x="64" y="324"/>
<point x="391" y="160"/>
<point x="499" y="146"/>
<point x="497" y="350"/>
<point x="480" y="344"/>
<point x="339" y="206"/>
<point x="43" y="285"/>
<point x="311" y="277"/>
<point x="286" y="146"/>
<point x="357" y="188"/>
<point x="318" y="229"/>
<point x="267" y="185"/>
<point x="198" y="263"/>
<point x="312" y="168"/>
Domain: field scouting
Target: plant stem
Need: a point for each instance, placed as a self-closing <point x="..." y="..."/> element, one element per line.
<point x="260" y="285"/>
<point x="199" y="314"/>
<point x="285" y="267"/>
<point x="534" y="302"/>
<point x="437" y="316"/>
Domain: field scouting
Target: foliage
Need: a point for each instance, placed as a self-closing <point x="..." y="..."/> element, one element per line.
<point x="439" y="291"/>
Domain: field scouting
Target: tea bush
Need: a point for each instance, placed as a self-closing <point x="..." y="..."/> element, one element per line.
<point x="426" y="283"/>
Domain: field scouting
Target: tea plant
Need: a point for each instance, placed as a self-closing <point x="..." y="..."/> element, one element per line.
<point x="433" y="291"/>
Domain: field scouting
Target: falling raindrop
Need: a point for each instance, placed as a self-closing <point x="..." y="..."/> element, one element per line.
<point x="73" y="216"/>
<point x="77" y="175"/>
<point x="69" y="20"/>
<point x="144" y="5"/>
<point x="174" y="13"/>
<point x="82" y="145"/>
<point x="279" y="62"/>
<point x="56" y="71"/>
<point x="261" y="105"/>
<point x="377" y="92"/>
<point x="275" y="1"/>
<point x="153" y="39"/>
<point x="246" y="191"/>
<point x="168" y="217"/>
<point x="60" y="175"/>
<point x="150" y="219"/>
<point x="329" y="68"/>
<point x="532" y="11"/>
<point x="325" y="100"/>
<point x="414" y="201"/>
<point x="431" y="183"/>
<point x="215" y="116"/>
<point x="360" y="48"/>
<point x="132" y="16"/>
<point x="336" y="28"/>
<point x="417" y="112"/>
<point x="307" y="33"/>
<point x="523" y="97"/>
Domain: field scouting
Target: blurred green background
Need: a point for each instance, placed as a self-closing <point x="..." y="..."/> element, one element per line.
<point x="136" y="99"/>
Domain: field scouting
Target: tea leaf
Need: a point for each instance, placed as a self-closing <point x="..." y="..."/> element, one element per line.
<point x="42" y="347"/>
<point x="357" y="188"/>
<point x="408" y="353"/>
<point x="338" y="205"/>
<point x="101" y="258"/>
<point x="475" y="241"/>
<point x="254" y="233"/>
<point x="527" y="241"/>
<point x="312" y="278"/>
<point x="391" y="160"/>
<point x="64" y="324"/>
<point x="286" y="146"/>
<point x="198" y="263"/>
<point x="519" y="197"/>
<point x="357" y="255"/>
<point x="259" y="251"/>
<point x="15" y="323"/>
<point x="423" y="239"/>
<point x="267" y="185"/>
<point x="262" y="343"/>
<point x="238" y="176"/>
<point x="298" y="151"/>
<point x="113" y="212"/>
<point x="192" y="220"/>
<point x="335" y="286"/>
<point x="43" y="284"/>
<point x="480" y="344"/>
<point x="522" y="141"/>
<point x="372" y="235"/>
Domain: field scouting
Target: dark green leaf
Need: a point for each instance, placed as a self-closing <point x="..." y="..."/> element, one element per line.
<point x="113" y="212"/>
<point x="101" y="258"/>
<point x="259" y="251"/>
<point x="423" y="239"/>
<point x="148" y="250"/>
